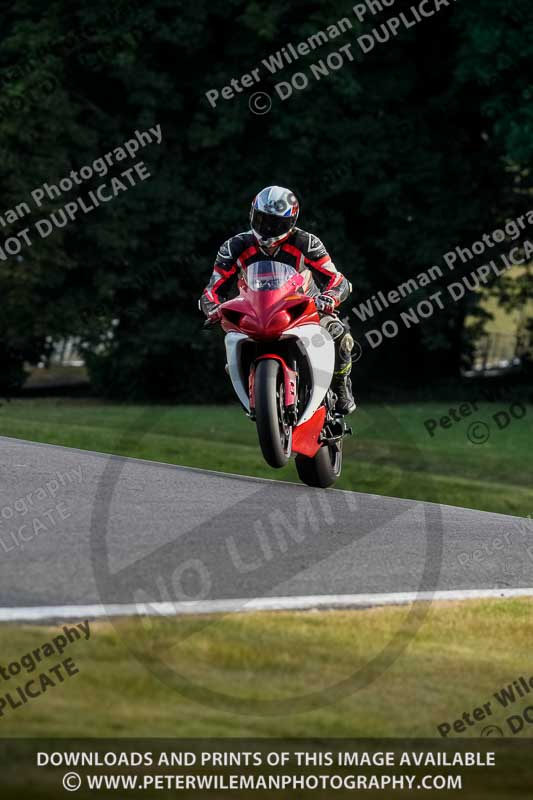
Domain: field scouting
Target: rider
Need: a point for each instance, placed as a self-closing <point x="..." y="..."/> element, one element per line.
<point x="274" y="235"/>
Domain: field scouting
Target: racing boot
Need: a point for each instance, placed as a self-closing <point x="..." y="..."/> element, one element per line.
<point x="342" y="386"/>
<point x="341" y="383"/>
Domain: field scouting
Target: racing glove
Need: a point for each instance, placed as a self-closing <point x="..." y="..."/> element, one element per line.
<point x="212" y="318"/>
<point x="325" y="304"/>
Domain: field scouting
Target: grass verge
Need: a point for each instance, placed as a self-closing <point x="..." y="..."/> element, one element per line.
<point x="463" y="654"/>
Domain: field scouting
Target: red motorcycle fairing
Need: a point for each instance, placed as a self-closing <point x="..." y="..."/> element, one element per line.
<point x="305" y="437"/>
<point x="266" y="315"/>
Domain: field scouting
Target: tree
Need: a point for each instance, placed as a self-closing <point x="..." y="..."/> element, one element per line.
<point x="398" y="157"/>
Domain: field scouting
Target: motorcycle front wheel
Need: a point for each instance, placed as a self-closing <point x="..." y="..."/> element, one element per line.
<point x="273" y="429"/>
<point x="323" y="469"/>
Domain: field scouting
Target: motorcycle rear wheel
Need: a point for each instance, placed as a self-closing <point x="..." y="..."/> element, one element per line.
<point x="273" y="430"/>
<point x="324" y="469"/>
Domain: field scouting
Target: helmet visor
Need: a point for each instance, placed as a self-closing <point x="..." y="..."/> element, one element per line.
<point x="270" y="226"/>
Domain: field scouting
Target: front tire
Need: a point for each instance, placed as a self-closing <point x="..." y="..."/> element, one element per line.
<point x="273" y="430"/>
<point x="324" y="469"/>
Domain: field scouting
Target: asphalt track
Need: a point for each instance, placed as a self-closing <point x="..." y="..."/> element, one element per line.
<point x="85" y="529"/>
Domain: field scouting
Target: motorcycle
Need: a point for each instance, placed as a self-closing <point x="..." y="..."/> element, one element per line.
<point x="280" y="361"/>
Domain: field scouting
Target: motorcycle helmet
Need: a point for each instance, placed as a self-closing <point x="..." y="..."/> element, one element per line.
<point x="273" y="215"/>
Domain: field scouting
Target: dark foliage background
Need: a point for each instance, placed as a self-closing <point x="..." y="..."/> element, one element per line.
<point x="422" y="145"/>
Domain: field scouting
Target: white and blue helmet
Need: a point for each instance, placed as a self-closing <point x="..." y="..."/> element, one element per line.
<point x="273" y="215"/>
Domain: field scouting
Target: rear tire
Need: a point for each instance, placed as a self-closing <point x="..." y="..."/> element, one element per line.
<point x="324" y="469"/>
<point x="275" y="434"/>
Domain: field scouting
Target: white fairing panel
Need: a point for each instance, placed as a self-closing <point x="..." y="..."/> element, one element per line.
<point x="233" y="344"/>
<point x="318" y="347"/>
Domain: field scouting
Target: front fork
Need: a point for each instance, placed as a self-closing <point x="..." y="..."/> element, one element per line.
<point x="290" y="381"/>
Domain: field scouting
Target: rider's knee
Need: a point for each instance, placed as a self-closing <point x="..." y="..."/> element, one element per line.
<point x="346" y="344"/>
<point x="334" y="327"/>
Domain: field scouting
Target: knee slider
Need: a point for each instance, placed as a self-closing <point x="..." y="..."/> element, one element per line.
<point x="346" y="345"/>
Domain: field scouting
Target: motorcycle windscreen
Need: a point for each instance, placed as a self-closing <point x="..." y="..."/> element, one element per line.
<point x="268" y="276"/>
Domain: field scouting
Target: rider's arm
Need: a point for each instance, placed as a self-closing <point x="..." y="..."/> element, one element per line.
<point x="224" y="273"/>
<point x="329" y="280"/>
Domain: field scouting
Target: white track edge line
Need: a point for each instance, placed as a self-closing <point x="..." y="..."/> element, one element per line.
<point x="303" y="603"/>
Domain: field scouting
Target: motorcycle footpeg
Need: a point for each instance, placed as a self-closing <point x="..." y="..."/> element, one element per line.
<point x="341" y="421"/>
<point x="331" y="440"/>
